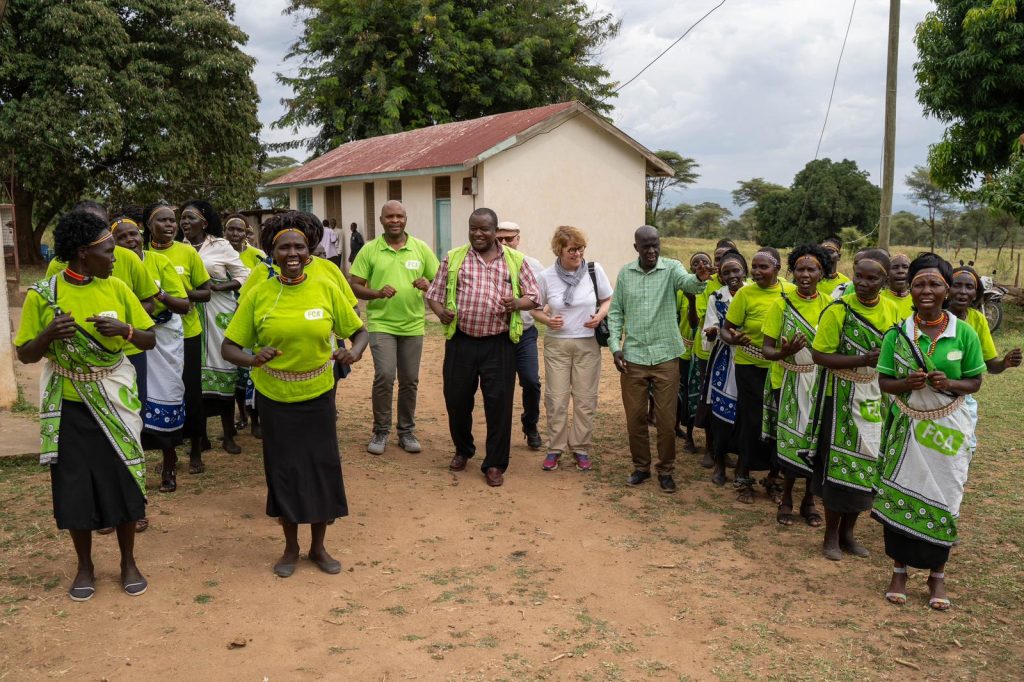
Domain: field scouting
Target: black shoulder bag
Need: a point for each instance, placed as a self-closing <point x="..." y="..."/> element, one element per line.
<point x="601" y="332"/>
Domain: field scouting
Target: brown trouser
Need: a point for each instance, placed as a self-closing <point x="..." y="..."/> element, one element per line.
<point x="665" y="380"/>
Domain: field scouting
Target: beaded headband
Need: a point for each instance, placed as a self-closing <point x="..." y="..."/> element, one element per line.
<point x="928" y="273"/>
<point x="194" y="214"/>
<point x="106" y="235"/>
<point x="157" y="210"/>
<point x="812" y="257"/>
<point x="113" y="225"/>
<point x="289" y="229"/>
<point x="885" y="270"/>
<point x="235" y="220"/>
<point x="968" y="272"/>
<point x="769" y="256"/>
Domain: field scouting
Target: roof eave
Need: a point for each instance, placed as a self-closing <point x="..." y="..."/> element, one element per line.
<point x="435" y="170"/>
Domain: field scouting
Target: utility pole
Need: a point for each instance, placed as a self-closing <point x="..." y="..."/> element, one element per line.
<point x="889" y="141"/>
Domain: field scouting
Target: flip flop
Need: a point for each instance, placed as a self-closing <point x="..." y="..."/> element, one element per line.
<point x="136" y="588"/>
<point x="811" y="516"/>
<point x="82" y="593"/>
<point x="141" y="525"/>
<point x="784" y="518"/>
<point x="897" y="598"/>
<point x="196" y="467"/>
<point x="939" y="604"/>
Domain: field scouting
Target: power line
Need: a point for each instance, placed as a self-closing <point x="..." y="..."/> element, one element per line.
<point x="676" y="42"/>
<point x="835" y="79"/>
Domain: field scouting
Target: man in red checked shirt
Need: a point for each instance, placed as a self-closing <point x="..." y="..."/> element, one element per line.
<point x="477" y="294"/>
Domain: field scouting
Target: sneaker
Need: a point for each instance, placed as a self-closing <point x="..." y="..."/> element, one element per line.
<point x="533" y="440"/>
<point x="409" y="443"/>
<point x="582" y="461"/>
<point x="667" y="484"/>
<point x="638" y="477"/>
<point x="551" y="461"/>
<point x="378" y="443"/>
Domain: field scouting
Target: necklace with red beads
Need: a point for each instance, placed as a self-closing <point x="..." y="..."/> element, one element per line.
<point x="942" y="323"/>
<point x="75" y="277"/>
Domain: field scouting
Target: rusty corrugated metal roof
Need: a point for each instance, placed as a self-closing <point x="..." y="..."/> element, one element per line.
<point x="446" y="145"/>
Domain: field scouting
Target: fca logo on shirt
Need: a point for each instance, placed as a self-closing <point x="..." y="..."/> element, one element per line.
<point x="315" y="314"/>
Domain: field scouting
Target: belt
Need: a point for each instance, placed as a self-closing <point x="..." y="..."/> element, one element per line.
<point x="928" y="415"/>
<point x="296" y="376"/>
<point x="86" y="376"/>
<point x="802" y="369"/>
<point x="753" y="352"/>
<point x="855" y="376"/>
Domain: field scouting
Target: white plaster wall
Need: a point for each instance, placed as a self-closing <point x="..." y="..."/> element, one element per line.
<point x="579" y="175"/>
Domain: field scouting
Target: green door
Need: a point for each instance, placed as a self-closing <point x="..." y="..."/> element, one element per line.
<point x="442" y="227"/>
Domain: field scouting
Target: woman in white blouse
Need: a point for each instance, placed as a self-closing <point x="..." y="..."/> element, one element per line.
<point x="202" y="229"/>
<point x="575" y="296"/>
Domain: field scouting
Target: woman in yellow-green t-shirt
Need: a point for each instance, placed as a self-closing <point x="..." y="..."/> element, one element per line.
<point x="289" y="321"/>
<point x="81" y="320"/>
<point x="744" y="329"/>
<point x="236" y="231"/>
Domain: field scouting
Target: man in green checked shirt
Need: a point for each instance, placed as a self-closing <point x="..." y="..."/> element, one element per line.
<point x="644" y="312"/>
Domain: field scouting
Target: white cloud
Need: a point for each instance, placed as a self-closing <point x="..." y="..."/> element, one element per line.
<point x="745" y="93"/>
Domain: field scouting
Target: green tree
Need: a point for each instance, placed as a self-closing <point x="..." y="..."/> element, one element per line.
<point x="825" y="197"/>
<point x="685" y="174"/>
<point x="924" y="192"/>
<point x="907" y="228"/>
<point x="708" y="219"/>
<point x="970" y="76"/>
<point x="674" y="221"/>
<point x="753" y="190"/>
<point x="273" y="168"/>
<point x="124" y="101"/>
<point x="369" y="68"/>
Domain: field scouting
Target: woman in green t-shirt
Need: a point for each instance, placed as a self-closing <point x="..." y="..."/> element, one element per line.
<point x="159" y="229"/>
<point x="898" y="290"/>
<point x="789" y="330"/>
<point x="163" y="401"/>
<point x="289" y="321"/>
<point x="928" y="363"/>
<point x="700" y="265"/>
<point x="744" y="329"/>
<point x="80" y="320"/>
<point x="236" y="230"/>
<point x="849" y="423"/>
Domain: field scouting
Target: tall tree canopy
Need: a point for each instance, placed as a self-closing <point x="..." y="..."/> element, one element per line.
<point x="924" y="192"/>
<point x="371" y="68"/>
<point x="970" y="75"/>
<point x="685" y="174"/>
<point x="753" y="190"/>
<point x="825" y="197"/>
<point x="128" y="101"/>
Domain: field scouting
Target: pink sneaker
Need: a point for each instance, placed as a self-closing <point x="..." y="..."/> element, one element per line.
<point x="582" y="461"/>
<point x="551" y="461"/>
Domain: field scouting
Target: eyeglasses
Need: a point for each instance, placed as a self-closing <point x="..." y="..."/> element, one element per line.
<point x="573" y="250"/>
<point x="508" y="240"/>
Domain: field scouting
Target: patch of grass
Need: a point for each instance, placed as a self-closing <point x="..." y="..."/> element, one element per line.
<point x="22" y="405"/>
<point x="395" y="610"/>
<point x="203" y="598"/>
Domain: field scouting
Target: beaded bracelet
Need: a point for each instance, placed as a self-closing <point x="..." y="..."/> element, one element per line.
<point x="131" y="331"/>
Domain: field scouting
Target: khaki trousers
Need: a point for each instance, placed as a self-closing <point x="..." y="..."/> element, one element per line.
<point x="665" y="380"/>
<point x="572" y="369"/>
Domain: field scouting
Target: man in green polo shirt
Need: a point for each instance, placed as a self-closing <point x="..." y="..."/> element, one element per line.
<point x="391" y="273"/>
<point x="645" y="344"/>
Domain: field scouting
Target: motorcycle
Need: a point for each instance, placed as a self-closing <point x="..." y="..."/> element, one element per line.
<point x="991" y="302"/>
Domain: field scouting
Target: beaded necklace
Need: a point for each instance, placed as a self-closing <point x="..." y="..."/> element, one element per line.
<point x="292" y="280"/>
<point x="807" y="298"/>
<point x="918" y="323"/>
<point x="74" y="276"/>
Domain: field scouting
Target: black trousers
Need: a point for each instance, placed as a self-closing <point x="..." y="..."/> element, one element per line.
<point x="192" y="375"/>
<point x="490" y="363"/>
<point x="528" y="369"/>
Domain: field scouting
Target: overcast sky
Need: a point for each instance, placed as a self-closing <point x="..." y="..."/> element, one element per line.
<point x="745" y="93"/>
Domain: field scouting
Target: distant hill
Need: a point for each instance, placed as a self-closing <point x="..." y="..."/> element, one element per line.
<point x="723" y="197"/>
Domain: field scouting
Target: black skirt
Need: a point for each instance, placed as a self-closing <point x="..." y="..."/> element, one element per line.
<point x="92" y="487"/>
<point x="914" y="551"/>
<point x="755" y="454"/>
<point x="683" y="416"/>
<point x="839" y="499"/>
<point x="192" y="376"/>
<point x="702" y="412"/>
<point x="301" y="459"/>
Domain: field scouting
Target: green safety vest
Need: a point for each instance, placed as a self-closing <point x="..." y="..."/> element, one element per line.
<point x="514" y="261"/>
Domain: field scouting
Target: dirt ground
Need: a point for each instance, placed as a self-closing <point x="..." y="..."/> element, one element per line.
<point x="557" y="575"/>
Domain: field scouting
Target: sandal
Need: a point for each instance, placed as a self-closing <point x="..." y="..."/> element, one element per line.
<point x="897" y="598"/>
<point x="938" y="603"/>
<point x="196" y="466"/>
<point x="785" y="518"/>
<point x="169" y="481"/>
<point x="141" y="525"/>
<point x="745" y="492"/>
<point x="774" y="489"/>
<point x="810" y="514"/>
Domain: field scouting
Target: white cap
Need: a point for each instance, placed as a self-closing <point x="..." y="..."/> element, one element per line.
<point x="508" y="226"/>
